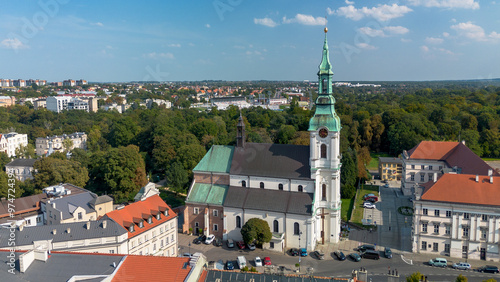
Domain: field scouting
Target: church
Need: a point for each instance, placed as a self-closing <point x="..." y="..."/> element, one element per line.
<point x="294" y="188"/>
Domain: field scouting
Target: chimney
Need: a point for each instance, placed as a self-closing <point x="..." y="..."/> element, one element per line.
<point x="104" y="224"/>
<point x="21" y="227"/>
<point x="477" y="178"/>
<point x="435" y="177"/>
<point x="54" y="231"/>
<point x="88" y="225"/>
<point x="463" y="142"/>
<point x="490" y="172"/>
<point x="491" y="179"/>
<point x="68" y="230"/>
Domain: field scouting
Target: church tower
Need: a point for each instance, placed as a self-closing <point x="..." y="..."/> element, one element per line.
<point x="324" y="130"/>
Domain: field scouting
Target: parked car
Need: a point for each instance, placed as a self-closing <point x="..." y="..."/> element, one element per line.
<point x="387" y="252"/>
<point x="187" y="255"/>
<point x="267" y="261"/>
<point x="355" y="257"/>
<point x="251" y="246"/>
<point x="200" y="239"/>
<point x="258" y="261"/>
<point x="488" y="269"/>
<point x="461" y="265"/>
<point x="294" y="252"/>
<point x="319" y="255"/>
<point x="372" y="199"/>
<point x="242" y="262"/>
<point x="365" y="247"/>
<point x="303" y="252"/>
<point x="241" y="245"/>
<point x="210" y="238"/>
<point x="369" y="254"/>
<point x="218" y="242"/>
<point x="368" y="205"/>
<point x="230" y="243"/>
<point x="439" y="262"/>
<point x="340" y="255"/>
<point x="229" y="265"/>
<point x="368" y="195"/>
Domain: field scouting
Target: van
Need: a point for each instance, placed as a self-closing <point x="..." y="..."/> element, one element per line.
<point x="230" y="243"/>
<point x="369" y="254"/>
<point x="242" y="262"/>
<point x="440" y="262"/>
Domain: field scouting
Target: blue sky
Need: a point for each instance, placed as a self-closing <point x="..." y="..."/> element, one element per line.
<point x="249" y="40"/>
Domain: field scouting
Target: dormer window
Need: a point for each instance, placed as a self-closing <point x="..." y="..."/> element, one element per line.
<point x="150" y="219"/>
<point x="131" y="228"/>
<point x="166" y="213"/>
<point x="158" y="216"/>
<point x="141" y="224"/>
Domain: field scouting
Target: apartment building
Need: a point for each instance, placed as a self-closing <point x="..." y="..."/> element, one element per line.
<point x="9" y="142"/>
<point x="390" y="168"/>
<point x="7" y="101"/>
<point x="21" y="168"/>
<point x="56" y="143"/>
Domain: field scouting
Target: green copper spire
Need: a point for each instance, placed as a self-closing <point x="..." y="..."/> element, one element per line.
<point x="325" y="115"/>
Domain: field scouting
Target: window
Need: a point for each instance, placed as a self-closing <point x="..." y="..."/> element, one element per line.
<point x="38" y="219"/>
<point x="436" y="212"/>
<point x="424" y="245"/>
<point x="323" y="192"/>
<point x="154" y="247"/>
<point x="422" y="167"/>
<point x="150" y="219"/>
<point x="80" y="216"/>
<point x="447" y="230"/>
<point x="301" y="189"/>
<point x="436" y="228"/>
<point x="131" y="228"/>
<point x="447" y="248"/>
<point x="146" y="238"/>
<point x="424" y="227"/>
<point x="196" y="210"/>
<point x="435" y="247"/>
<point x="412" y="166"/>
<point x="196" y="224"/>
<point x="216" y="227"/>
<point x="271" y="245"/>
<point x="430" y="176"/>
<point x="465" y="231"/>
<point x="296" y="228"/>
<point x="161" y="230"/>
<point x="422" y="177"/>
<point x="262" y="185"/>
<point x="276" y="226"/>
<point x="484" y="233"/>
<point x="173" y="237"/>
<point x="464" y="251"/>
<point x="243" y="183"/>
<point x="448" y="213"/>
<point x="323" y="151"/>
<point x="166" y="240"/>
<point x="161" y="243"/>
<point x="166" y="212"/>
<point x="238" y="221"/>
<point x="430" y="167"/>
<point x="140" y="241"/>
<point x="141" y="224"/>
<point x="412" y="177"/>
<point x="158" y="216"/>
<point x="280" y="186"/>
<point x="466" y="215"/>
<point x="425" y="211"/>
<point x="484" y="217"/>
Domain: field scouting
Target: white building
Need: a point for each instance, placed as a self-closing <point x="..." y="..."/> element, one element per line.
<point x="9" y="142"/>
<point x="55" y="143"/>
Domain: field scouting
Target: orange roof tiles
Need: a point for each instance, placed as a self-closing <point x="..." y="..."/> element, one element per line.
<point x="153" y="268"/>
<point x="431" y="150"/>
<point x="463" y="188"/>
<point x="134" y="213"/>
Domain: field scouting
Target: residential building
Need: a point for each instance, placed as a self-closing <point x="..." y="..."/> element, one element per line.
<point x="160" y="102"/>
<point x="295" y="189"/>
<point x="390" y="168"/>
<point x="151" y="227"/>
<point x="422" y="162"/>
<point x="57" y="103"/>
<point x="44" y="145"/>
<point x="76" y="104"/>
<point x="40" y="104"/>
<point x="9" y="142"/>
<point x="458" y="215"/>
<point x="69" y="82"/>
<point x="6" y="101"/>
<point x="147" y="191"/>
<point x="21" y="168"/>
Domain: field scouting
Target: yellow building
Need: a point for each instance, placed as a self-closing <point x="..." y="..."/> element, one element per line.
<point x="390" y="168"/>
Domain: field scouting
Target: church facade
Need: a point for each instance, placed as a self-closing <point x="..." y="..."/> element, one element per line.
<point x="295" y="189"/>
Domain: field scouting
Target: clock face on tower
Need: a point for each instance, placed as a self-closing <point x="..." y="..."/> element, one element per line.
<point x="323" y="132"/>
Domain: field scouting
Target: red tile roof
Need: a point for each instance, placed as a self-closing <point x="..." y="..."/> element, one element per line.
<point x="431" y="150"/>
<point x="134" y="213"/>
<point x="463" y="188"/>
<point x="153" y="268"/>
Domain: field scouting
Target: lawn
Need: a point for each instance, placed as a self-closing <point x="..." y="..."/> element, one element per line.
<point x="357" y="215"/>
<point x="346" y="210"/>
<point x="490" y="159"/>
<point x="374" y="162"/>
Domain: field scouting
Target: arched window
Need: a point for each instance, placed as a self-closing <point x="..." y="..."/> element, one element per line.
<point x="323" y="192"/>
<point x="238" y="221"/>
<point x="276" y="226"/>
<point x="243" y="183"/>
<point x="323" y="151"/>
<point x="280" y="186"/>
<point x="296" y="228"/>
<point x="325" y="85"/>
<point x="301" y="189"/>
<point x="262" y="185"/>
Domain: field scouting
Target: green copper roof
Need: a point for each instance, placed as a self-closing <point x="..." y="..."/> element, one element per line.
<point x="217" y="159"/>
<point x="325" y="67"/>
<point x="207" y="194"/>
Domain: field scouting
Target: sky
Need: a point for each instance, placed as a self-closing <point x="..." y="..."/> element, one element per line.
<point x="121" y="41"/>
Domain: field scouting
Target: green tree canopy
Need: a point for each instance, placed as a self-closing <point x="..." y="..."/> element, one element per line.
<point x="51" y="171"/>
<point x="414" y="277"/>
<point x="256" y="229"/>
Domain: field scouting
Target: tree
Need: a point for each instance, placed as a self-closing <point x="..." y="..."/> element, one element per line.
<point x="177" y="178"/>
<point x="461" y="278"/>
<point x="9" y="187"/>
<point x="348" y="174"/>
<point x="67" y="144"/>
<point x="4" y="159"/>
<point x="26" y="152"/>
<point x="256" y="229"/>
<point x="285" y="134"/>
<point x="51" y="171"/>
<point x="414" y="277"/>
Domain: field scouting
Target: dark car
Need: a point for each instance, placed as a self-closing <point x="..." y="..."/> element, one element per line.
<point x="229" y="265"/>
<point x="241" y="245"/>
<point x="319" y="255"/>
<point x="363" y="248"/>
<point x="488" y="269"/>
<point x="370" y="254"/>
<point x="340" y="255"/>
<point x="355" y="257"/>
<point x="218" y="242"/>
<point x="294" y="252"/>
<point x="388" y="252"/>
<point x="372" y="199"/>
<point x="200" y="239"/>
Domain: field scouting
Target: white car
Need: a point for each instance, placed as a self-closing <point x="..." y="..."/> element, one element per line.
<point x="461" y="266"/>
<point x="368" y="205"/>
<point x="258" y="261"/>
<point x="210" y="239"/>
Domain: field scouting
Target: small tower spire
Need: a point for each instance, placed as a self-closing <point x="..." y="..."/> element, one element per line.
<point x="240" y="137"/>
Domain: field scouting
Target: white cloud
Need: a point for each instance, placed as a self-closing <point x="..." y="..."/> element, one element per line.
<point x="155" y="55"/>
<point x="13" y="43"/>
<point x="385" y="31"/>
<point x="176" y="45"/>
<point x="424" y="48"/>
<point x="464" y="4"/>
<point x="366" y="46"/>
<point x="405" y="40"/>
<point x="448" y="52"/>
<point x="349" y="2"/>
<point x="207" y="25"/>
<point x="381" y="12"/>
<point x="433" y="40"/>
<point x="446" y="34"/>
<point x="99" y="24"/>
<point x="265" y="21"/>
<point x="474" y="32"/>
<point x="305" y="20"/>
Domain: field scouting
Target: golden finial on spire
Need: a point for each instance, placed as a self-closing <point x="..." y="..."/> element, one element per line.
<point x="326" y="29"/>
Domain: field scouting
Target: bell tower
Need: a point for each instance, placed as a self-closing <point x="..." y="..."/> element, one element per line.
<point x="324" y="132"/>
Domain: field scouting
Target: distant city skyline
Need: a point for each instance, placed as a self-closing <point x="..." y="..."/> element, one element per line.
<point x="236" y="40"/>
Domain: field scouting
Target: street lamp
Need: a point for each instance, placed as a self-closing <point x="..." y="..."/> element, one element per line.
<point x="300" y="252"/>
